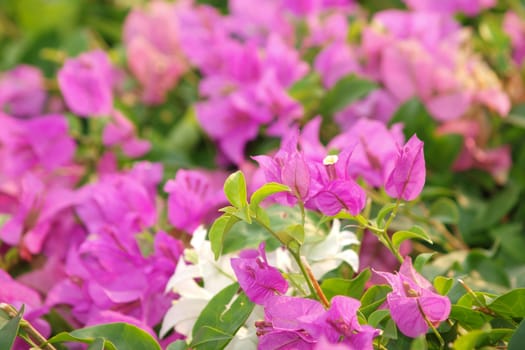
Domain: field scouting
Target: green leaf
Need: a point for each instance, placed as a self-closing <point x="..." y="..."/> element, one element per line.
<point x="178" y="345"/>
<point x="421" y="260"/>
<point x="221" y="319"/>
<point x="445" y="210"/>
<point x="442" y="150"/>
<point x="308" y="91"/>
<point x="479" y="338"/>
<point x="117" y="336"/>
<point x="420" y="343"/>
<point x="4" y="318"/>
<point x="265" y="191"/>
<point x="377" y="316"/>
<point x="243" y="235"/>
<point x="347" y="90"/>
<point x="443" y="284"/>
<point x="501" y="204"/>
<point x="489" y="269"/>
<point x="373" y="298"/>
<point x="510" y="304"/>
<point x="242" y="213"/>
<point x="9" y="331"/>
<point x="339" y="286"/>
<point x="36" y="16"/>
<point x="468" y="318"/>
<point x="218" y="231"/>
<point x="235" y="189"/>
<point x="518" y="338"/>
<point x="512" y="241"/>
<point x="414" y="232"/>
<point x="98" y="344"/>
<point x="415" y="119"/>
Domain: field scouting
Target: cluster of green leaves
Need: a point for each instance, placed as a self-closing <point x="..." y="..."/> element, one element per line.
<point x="112" y="336"/>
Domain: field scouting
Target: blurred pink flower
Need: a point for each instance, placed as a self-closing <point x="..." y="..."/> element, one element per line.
<point x="450" y="7"/>
<point x="116" y="201"/>
<point x="86" y="83"/>
<point x="32" y="218"/>
<point x="121" y="131"/>
<point x="514" y="26"/>
<point x="22" y="92"/>
<point x="474" y="154"/>
<point x="375" y="149"/>
<point x="108" y="279"/>
<point x="38" y="143"/>
<point x="335" y="61"/>
<point x="153" y="47"/>
<point x="194" y="197"/>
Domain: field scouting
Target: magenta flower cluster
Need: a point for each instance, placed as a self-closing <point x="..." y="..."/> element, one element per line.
<point x="295" y="322"/>
<point x="327" y="183"/>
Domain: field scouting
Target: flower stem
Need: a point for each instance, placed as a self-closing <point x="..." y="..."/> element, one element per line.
<point x="316" y="285"/>
<point x="385" y="236"/>
<point x="33" y="335"/>
<point x="297" y="257"/>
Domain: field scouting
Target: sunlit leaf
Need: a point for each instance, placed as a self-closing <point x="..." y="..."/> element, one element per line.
<point x="414" y="232"/>
<point x="265" y="191"/>
<point x="443" y="284"/>
<point x="218" y="231"/>
<point x="479" y="338"/>
<point x="339" y="286"/>
<point x="235" y="190"/>
<point x="510" y="304"/>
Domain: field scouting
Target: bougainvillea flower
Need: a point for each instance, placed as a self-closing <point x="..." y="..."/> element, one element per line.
<point x="288" y="166"/>
<point x="379" y="105"/>
<point x="289" y="323"/>
<point x="339" y="195"/>
<point x="109" y="278"/>
<point x="194" y="198"/>
<point x="340" y="325"/>
<point x="375" y="149"/>
<point x="335" y="61"/>
<point x="468" y="7"/>
<point x="26" y="145"/>
<point x="257" y="23"/>
<point x="22" y="91"/>
<point x="153" y="47"/>
<point x="86" y="83"/>
<point x="116" y="200"/>
<point x="514" y="26"/>
<point x="121" y="131"/>
<point x="32" y="218"/>
<point x="300" y="323"/>
<point x="413" y="301"/>
<point x="407" y="178"/>
<point x="260" y="281"/>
